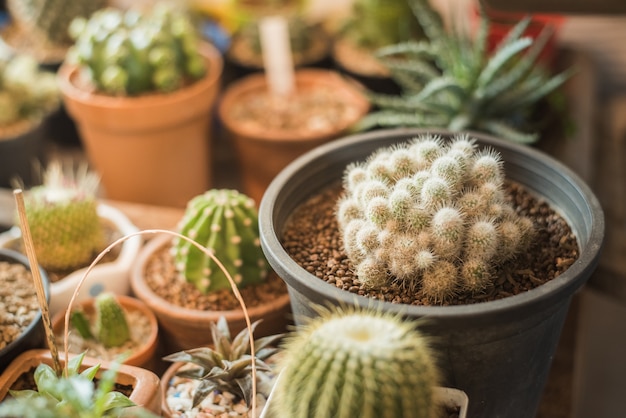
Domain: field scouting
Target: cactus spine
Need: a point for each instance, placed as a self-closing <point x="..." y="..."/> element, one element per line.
<point x="432" y="215"/>
<point x="356" y="363"/>
<point x="226" y="222"/>
<point x="63" y="218"/>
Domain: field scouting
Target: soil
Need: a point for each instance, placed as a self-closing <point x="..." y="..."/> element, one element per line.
<point x="312" y="239"/>
<point x="161" y="276"/>
<point x="18" y="301"/>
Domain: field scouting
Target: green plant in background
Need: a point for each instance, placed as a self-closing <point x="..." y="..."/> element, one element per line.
<point x="227" y="366"/>
<point x="110" y="326"/>
<point x="451" y="80"/>
<point x="432" y="215"/>
<point x="132" y="52"/>
<point x="351" y="362"/>
<point x="226" y="222"/>
<point x="63" y="217"/>
<point x="74" y="394"/>
<point x="27" y="93"/>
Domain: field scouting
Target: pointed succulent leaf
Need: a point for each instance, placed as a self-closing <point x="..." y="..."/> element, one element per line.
<point x="506" y="131"/>
<point x="500" y="59"/>
<point x="244" y="384"/>
<point x="113" y="400"/>
<point x="73" y="366"/>
<point x="202" y="391"/>
<point x="514" y="33"/>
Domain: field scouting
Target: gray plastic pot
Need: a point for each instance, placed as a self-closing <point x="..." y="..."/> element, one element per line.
<point x="498" y="352"/>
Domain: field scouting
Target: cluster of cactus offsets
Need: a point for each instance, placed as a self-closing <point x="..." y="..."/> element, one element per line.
<point x="226" y="222"/>
<point x="132" y="52"/>
<point x="430" y="214"/>
<point x="357" y="363"/>
<point x="26" y="92"/>
<point x="63" y="218"/>
<point x="110" y="325"/>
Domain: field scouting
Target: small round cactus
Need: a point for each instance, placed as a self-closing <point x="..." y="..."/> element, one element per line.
<point x="63" y="218"/>
<point x="431" y="214"/>
<point x="353" y="362"/>
<point x="226" y="222"/>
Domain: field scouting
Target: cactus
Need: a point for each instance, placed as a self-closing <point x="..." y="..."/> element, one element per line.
<point x="110" y="327"/>
<point x="431" y="215"/>
<point x="26" y="92"/>
<point x="63" y="218"/>
<point x="356" y="363"/>
<point x="132" y="52"/>
<point x="226" y="222"/>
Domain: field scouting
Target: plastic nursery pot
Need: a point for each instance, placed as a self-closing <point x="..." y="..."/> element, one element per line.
<point x="153" y="148"/>
<point x="145" y="354"/>
<point x="19" y="154"/>
<point x="144" y="383"/>
<point x="33" y="335"/>
<point x="262" y="151"/>
<point x="498" y="352"/>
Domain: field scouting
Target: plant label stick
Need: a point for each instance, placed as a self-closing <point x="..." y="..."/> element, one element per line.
<point x="277" y="57"/>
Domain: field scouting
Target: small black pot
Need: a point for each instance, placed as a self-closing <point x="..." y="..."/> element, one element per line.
<point x="33" y="336"/>
<point x="20" y="154"/>
<point x="498" y="352"/>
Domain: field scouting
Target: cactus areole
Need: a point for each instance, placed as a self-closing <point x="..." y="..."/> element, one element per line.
<point x="226" y="222"/>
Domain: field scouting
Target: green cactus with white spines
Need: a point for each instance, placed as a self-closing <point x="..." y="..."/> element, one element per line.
<point x="226" y="222"/>
<point x="133" y="52"/>
<point x="356" y="363"/>
<point x="432" y="215"/>
<point x="63" y="217"/>
<point x="109" y="327"/>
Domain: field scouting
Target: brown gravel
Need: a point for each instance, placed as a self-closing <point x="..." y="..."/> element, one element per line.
<point x="313" y="240"/>
<point x="162" y="278"/>
<point x="18" y="301"/>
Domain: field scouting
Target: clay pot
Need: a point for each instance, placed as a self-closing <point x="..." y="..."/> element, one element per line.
<point x="142" y="356"/>
<point x="145" y="383"/>
<point x="152" y="149"/>
<point x="262" y="152"/>
<point x="183" y="328"/>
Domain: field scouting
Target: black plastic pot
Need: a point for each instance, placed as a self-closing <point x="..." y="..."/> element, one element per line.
<point x="20" y="154"/>
<point x="498" y="352"/>
<point x="33" y="336"/>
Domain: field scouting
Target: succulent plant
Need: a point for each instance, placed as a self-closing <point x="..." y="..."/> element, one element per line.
<point x="351" y="362"/>
<point x="454" y="82"/>
<point x="137" y="51"/>
<point x="63" y="217"/>
<point x="227" y="365"/>
<point x="431" y="215"/>
<point x="226" y="222"/>
<point x="26" y="92"/>
<point x="110" y="326"/>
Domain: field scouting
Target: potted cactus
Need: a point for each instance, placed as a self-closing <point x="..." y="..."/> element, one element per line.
<point x="28" y="96"/>
<point x="70" y="226"/>
<point x="218" y="378"/>
<point x="499" y="328"/>
<point x="140" y="85"/>
<point x="357" y="362"/>
<point x="186" y="288"/>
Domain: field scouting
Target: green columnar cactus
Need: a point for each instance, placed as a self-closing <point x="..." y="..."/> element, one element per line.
<point x="132" y="52"/>
<point x="63" y="218"/>
<point x="110" y="326"/>
<point x="432" y="215"/>
<point x="226" y="222"/>
<point x="356" y="363"/>
<point x="26" y="92"/>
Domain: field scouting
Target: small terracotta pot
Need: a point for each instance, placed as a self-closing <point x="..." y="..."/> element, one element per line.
<point x="154" y="148"/>
<point x="145" y="383"/>
<point x="183" y="328"/>
<point x="262" y="154"/>
<point x="144" y="355"/>
<point x="169" y="373"/>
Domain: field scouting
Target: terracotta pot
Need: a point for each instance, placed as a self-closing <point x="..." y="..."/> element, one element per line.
<point x="262" y="153"/>
<point x="145" y="383"/>
<point x="142" y="356"/>
<point x="152" y="149"/>
<point x="183" y="328"/>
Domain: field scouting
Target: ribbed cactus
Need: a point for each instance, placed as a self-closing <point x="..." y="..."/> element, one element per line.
<point x="26" y="92"/>
<point x="431" y="214"/>
<point x="133" y="52"/>
<point x="356" y="363"/>
<point x="63" y="218"/>
<point x="109" y="327"/>
<point x="226" y="222"/>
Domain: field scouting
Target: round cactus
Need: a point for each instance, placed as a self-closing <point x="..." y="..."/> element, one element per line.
<point x="432" y="214"/>
<point x="63" y="218"/>
<point x="357" y="363"/>
<point x="226" y="222"/>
